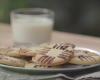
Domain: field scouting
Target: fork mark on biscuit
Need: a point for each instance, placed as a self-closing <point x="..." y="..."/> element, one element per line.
<point x="42" y="58"/>
<point x="64" y="55"/>
<point x="55" y="46"/>
<point x="64" y="46"/>
<point x="91" y="58"/>
<point x="46" y="59"/>
<point x="87" y="58"/>
<point x="51" y="60"/>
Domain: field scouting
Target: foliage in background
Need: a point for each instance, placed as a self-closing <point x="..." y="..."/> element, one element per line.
<point x="6" y="6"/>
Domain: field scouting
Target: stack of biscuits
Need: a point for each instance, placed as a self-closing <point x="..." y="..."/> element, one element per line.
<point x="47" y="55"/>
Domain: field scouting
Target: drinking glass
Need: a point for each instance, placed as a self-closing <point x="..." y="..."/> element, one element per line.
<point x="31" y="26"/>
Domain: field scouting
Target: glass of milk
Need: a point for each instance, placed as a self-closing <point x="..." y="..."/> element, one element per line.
<point x="31" y="26"/>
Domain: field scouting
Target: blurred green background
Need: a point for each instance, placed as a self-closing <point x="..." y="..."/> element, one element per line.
<point x="6" y="6"/>
<point x="76" y="16"/>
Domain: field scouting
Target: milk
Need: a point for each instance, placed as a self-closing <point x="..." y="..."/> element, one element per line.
<point x="32" y="29"/>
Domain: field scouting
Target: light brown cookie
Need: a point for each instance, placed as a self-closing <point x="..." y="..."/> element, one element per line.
<point x="84" y="52"/>
<point x="13" y="52"/>
<point x="26" y="52"/>
<point x="11" y="61"/>
<point x="40" y="50"/>
<point x="16" y="52"/>
<point x="48" y="45"/>
<point x="85" y="60"/>
<point x="53" y="57"/>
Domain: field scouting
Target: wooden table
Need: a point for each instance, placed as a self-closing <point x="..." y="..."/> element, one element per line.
<point x="80" y="40"/>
